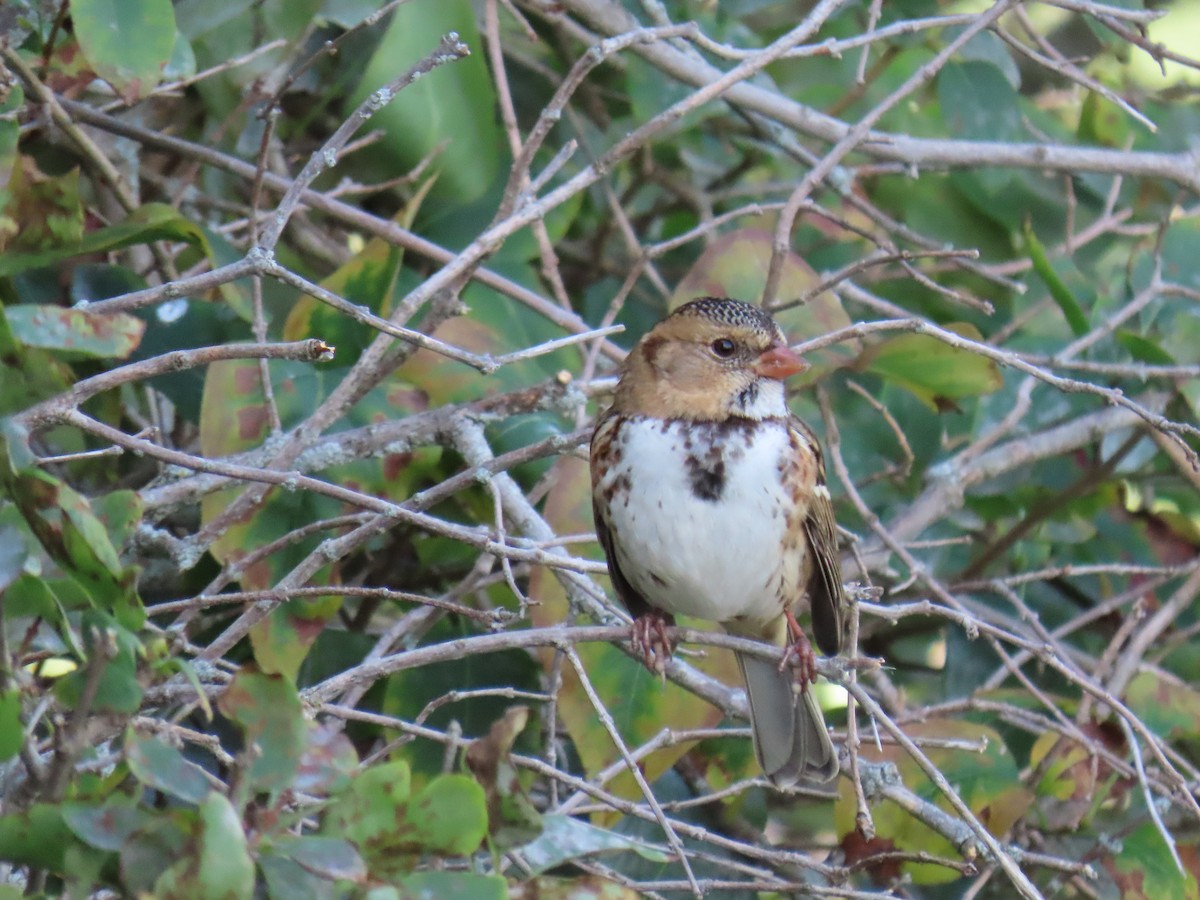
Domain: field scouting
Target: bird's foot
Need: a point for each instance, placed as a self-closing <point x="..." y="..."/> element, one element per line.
<point x="799" y="655"/>
<point x="648" y="636"/>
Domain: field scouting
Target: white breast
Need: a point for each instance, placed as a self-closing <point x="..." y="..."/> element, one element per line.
<point x="716" y="558"/>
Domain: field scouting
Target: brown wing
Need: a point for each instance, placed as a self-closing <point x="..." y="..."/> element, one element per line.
<point x="825" y="582"/>
<point x="601" y="445"/>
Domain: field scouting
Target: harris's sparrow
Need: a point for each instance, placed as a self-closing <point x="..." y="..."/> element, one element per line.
<point x="710" y="501"/>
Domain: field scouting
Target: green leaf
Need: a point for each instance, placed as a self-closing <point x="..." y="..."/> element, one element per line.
<point x="978" y="102"/>
<point x="328" y="761"/>
<point x="268" y="710"/>
<point x="368" y="811"/>
<point x="1058" y="289"/>
<point x="34" y="595"/>
<point x="454" y="104"/>
<point x="286" y="879"/>
<point x="127" y="41"/>
<point x="1101" y="122"/>
<point x="449" y="815"/>
<point x="220" y="866"/>
<point x="1170" y="709"/>
<point x="1145" y="870"/>
<point x="1143" y="349"/>
<point x="158" y="765"/>
<point x="12" y="556"/>
<point x="564" y="839"/>
<point x="68" y="529"/>
<point x="106" y="826"/>
<point x="453" y="886"/>
<point x="12" y="731"/>
<point x="330" y="858"/>
<point x="27" y="375"/>
<point x="76" y="331"/>
<point x="120" y="512"/>
<point x="152" y="222"/>
<point x="934" y="371"/>
<point x="10" y="133"/>
<point x="151" y="850"/>
<point x="36" y="837"/>
<point x="119" y="690"/>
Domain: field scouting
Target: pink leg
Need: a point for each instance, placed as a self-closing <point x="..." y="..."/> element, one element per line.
<point x="649" y="638"/>
<point x="800" y="654"/>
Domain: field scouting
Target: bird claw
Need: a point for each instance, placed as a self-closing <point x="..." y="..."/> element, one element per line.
<point x="799" y="655"/>
<point x="648" y="637"/>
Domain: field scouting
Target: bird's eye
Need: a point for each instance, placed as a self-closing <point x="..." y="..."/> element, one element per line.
<point x="723" y="347"/>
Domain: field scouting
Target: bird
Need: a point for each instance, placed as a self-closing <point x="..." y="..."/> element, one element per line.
<point x="710" y="500"/>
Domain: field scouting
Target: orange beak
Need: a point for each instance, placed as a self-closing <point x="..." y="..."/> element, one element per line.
<point x="778" y="362"/>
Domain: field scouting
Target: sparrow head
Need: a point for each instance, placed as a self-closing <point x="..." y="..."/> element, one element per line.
<point x="710" y="360"/>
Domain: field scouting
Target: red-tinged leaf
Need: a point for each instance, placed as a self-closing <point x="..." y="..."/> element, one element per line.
<point x="46" y="213"/>
<point x="1169" y="708"/>
<point x="987" y="781"/>
<point x="368" y="811"/>
<point x="328" y="761"/>
<point x="151" y="222"/>
<point x="67" y="528"/>
<point x="268" y="710"/>
<point x="107" y="826"/>
<point x="76" y="331"/>
<point x="1144" y="869"/>
<point x="512" y="817"/>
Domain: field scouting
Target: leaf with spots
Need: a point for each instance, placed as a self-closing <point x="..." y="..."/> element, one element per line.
<point x="369" y="811"/>
<point x="218" y="862"/>
<point x="74" y="537"/>
<point x="267" y="708"/>
<point x="1143" y="868"/>
<point x="148" y="223"/>
<point x="76" y="332"/>
<point x="1169" y="708"/>
<point x="448" y="816"/>
<point x="987" y="780"/>
<point x="512" y="818"/>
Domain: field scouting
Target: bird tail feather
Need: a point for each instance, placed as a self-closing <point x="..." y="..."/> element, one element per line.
<point x="790" y="739"/>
